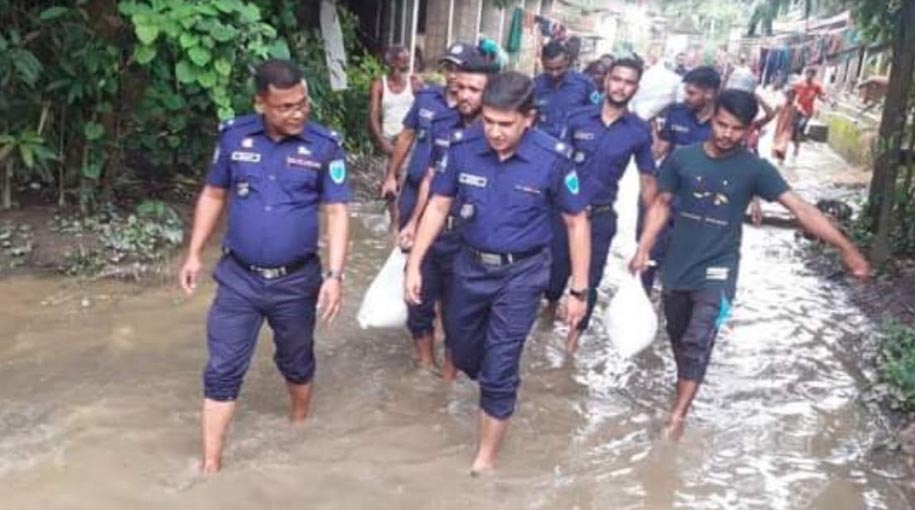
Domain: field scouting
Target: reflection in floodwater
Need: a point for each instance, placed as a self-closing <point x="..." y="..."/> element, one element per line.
<point x="99" y="406"/>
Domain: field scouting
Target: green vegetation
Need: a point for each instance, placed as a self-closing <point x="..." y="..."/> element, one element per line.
<point x="112" y="101"/>
<point x="897" y="363"/>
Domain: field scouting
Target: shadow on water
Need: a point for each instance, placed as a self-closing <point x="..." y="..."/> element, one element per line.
<point x="99" y="406"/>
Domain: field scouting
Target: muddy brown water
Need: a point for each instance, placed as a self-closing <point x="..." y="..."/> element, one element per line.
<point x="100" y="393"/>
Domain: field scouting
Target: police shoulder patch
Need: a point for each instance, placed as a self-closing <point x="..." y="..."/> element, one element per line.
<point x="572" y="183"/>
<point x="239" y="122"/>
<point x="337" y="171"/>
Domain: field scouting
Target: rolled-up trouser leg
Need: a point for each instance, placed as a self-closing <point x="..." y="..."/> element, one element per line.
<point x="421" y="317"/>
<point x="511" y="317"/>
<point x="693" y="320"/>
<point x="291" y="315"/>
<point x="232" y="327"/>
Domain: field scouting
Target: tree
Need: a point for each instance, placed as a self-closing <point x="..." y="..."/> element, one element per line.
<point x="882" y="197"/>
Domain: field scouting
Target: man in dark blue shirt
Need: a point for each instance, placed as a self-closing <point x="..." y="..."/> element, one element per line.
<point x="604" y="139"/>
<point x="506" y="183"/>
<point x="557" y="90"/>
<point x="712" y="183"/>
<point x="273" y="170"/>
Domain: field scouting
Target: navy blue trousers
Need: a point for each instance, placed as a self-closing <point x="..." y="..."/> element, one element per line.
<point x="603" y="228"/>
<point x="489" y="314"/>
<point x="409" y="194"/>
<point x="437" y="271"/>
<point x="243" y="300"/>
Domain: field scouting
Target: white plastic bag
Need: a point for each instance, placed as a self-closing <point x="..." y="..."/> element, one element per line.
<point x="630" y="320"/>
<point x="383" y="305"/>
<point x="657" y="90"/>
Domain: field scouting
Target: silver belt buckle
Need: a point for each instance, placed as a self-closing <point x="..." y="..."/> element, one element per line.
<point x="270" y="273"/>
<point x="491" y="259"/>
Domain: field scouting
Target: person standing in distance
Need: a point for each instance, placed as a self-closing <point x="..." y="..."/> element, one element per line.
<point x="604" y="139"/>
<point x="557" y="90"/>
<point x="507" y="182"/>
<point x="712" y="183"/>
<point x="273" y="171"/>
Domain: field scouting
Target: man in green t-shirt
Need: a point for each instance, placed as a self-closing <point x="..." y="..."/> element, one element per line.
<point x="712" y="183"/>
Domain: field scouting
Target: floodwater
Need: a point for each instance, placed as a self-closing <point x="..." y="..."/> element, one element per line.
<point x="100" y="395"/>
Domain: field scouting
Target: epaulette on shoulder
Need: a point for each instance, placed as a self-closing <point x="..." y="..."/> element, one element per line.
<point x="325" y="132"/>
<point x="551" y="144"/>
<point x="239" y="122"/>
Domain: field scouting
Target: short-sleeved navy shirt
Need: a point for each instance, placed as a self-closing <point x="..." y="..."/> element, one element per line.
<point x="430" y="108"/>
<point x="512" y="200"/>
<point x="712" y="195"/>
<point x="602" y="152"/>
<point x="276" y="187"/>
<point x="681" y="127"/>
<point x="554" y="100"/>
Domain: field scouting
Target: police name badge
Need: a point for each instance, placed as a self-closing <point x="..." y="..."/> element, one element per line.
<point x="246" y="157"/>
<point x="337" y="170"/>
<point x="472" y="180"/>
<point x="583" y="135"/>
<point x="572" y="183"/>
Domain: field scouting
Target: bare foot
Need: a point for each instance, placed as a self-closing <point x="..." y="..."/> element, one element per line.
<point x="481" y="467"/>
<point x="674" y="428"/>
<point x="449" y="371"/>
<point x="572" y="340"/>
<point x="210" y="467"/>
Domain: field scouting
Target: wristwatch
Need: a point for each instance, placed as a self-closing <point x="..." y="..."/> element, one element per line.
<point x="336" y="274"/>
<point x="580" y="294"/>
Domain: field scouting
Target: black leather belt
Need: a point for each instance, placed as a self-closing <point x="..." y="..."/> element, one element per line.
<point x="270" y="273"/>
<point x="502" y="259"/>
<point x="599" y="209"/>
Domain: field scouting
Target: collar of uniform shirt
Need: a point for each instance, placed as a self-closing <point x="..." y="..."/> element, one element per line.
<point x="525" y="149"/>
<point x="259" y="127"/>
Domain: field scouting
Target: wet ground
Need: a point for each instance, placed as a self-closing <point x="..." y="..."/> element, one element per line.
<point x="100" y="389"/>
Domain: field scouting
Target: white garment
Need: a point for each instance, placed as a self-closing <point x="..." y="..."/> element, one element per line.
<point x="394" y="107"/>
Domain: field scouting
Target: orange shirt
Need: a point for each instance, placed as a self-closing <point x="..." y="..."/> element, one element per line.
<point x="806" y="95"/>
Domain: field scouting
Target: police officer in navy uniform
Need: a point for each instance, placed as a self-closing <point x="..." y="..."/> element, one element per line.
<point x="431" y="104"/>
<point x="557" y="90"/>
<point x="684" y="124"/>
<point x="506" y="182"/>
<point x="433" y="108"/>
<point x="604" y="139"/>
<point x="274" y="170"/>
<point x="437" y="265"/>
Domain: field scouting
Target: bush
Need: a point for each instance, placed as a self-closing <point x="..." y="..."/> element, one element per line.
<point x="897" y="362"/>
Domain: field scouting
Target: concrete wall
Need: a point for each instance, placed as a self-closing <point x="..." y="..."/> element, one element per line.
<point x="854" y="141"/>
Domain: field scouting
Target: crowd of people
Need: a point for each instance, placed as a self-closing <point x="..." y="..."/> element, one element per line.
<point x="504" y="187"/>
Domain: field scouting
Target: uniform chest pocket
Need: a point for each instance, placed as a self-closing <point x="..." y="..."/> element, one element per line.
<point x="525" y="196"/>
<point x="295" y="181"/>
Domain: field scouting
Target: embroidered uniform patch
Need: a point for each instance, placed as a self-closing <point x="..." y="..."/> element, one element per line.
<point x="337" y="170"/>
<point x="472" y="180"/>
<point x="302" y="162"/>
<point x="247" y="157"/>
<point x="572" y="183"/>
<point x="716" y="273"/>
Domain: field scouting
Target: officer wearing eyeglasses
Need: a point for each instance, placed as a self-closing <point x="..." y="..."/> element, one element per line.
<point x="273" y="171"/>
